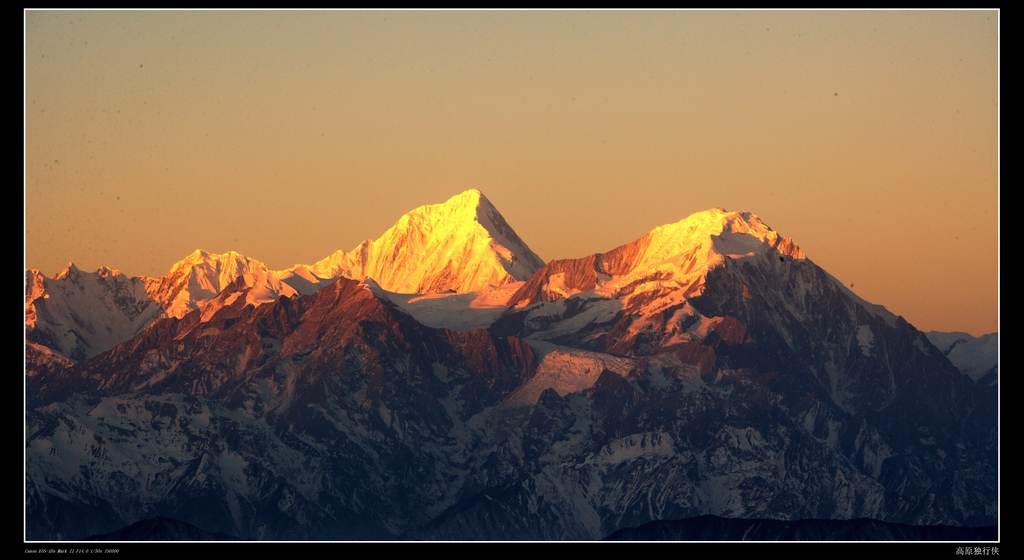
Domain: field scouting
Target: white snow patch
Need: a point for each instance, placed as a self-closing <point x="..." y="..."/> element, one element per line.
<point x="456" y="311"/>
<point x="566" y="370"/>
<point x="462" y="244"/>
<point x="645" y="444"/>
<point x="866" y="339"/>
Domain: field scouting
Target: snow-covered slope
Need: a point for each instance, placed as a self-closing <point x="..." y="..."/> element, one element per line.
<point x="721" y="279"/>
<point x="710" y="236"/>
<point x="642" y="289"/>
<point x="975" y="356"/>
<point x="463" y="244"/>
<point x="676" y="256"/>
<point x="43" y="360"/>
<point x="80" y="314"/>
<point x="457" y="311"/>
<point x="201" y="276"/>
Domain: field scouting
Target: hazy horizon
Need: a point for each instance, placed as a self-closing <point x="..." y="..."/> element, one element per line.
<point x="868" y="137"/>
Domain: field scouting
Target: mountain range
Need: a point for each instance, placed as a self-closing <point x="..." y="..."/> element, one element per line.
<point x="462" y="245"/>
<point x="442" y="382"/>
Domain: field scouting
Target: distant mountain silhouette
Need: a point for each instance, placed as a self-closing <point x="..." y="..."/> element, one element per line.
<point x="714" y="528"/>
<point x="161" y="529"/>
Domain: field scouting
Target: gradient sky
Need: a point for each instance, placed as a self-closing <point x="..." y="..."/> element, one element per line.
<point x="870" y="137"/>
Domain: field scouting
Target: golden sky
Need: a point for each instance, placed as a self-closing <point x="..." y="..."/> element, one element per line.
<point x="870" y="137"/>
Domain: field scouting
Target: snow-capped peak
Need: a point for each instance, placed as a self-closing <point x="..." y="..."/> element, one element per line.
<point x="665" y="265"/>
<point x="201" y="257"/>
<point x="80" y="314"/>
<point x="720" y="232"/>
<point x="469" y="198"/>
<point x="201" y="275"/>
<point x="463" y="244"/>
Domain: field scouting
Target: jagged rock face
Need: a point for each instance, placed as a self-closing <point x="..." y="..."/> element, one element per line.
<point x="333" y="415"/>
<point x="201" y="276"/>
<point x="733" y="378"/>
<point x="337" y="416"/>
<point x="44" y="361"/>
<point x="758" y="439"/>
<point x="661" y="442"/>
<point x="463" y="245"/>
<point x="901" y="411"/>
<point x="80" y="314"/>
<point x="860" y="380"/>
